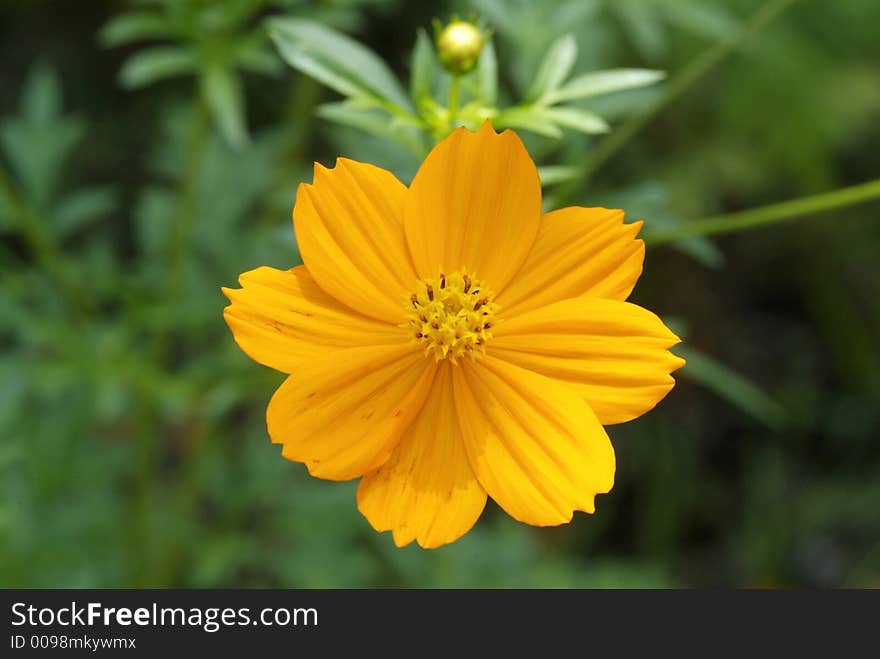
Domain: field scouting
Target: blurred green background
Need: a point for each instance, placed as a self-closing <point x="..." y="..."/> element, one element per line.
<point x="133" y="448"/>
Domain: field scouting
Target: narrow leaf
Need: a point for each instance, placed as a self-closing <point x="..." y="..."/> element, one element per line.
<point x="41" y="97"/>
<point x="423" y="69"/>
<point x="487" y="74"/>
<point x="134" y="26"/>
<point x="225" y="101"/>
<point x="371" y="120"/>
<point x="529" y="119"/>
<point x="259" y="61"/>
<point x="730" y="386"/>
<point x="37" y="153"/>
<point x="553" y="174"/>
<point x="153" y="64"/>
<point x="701" y="17"/>
<point x="153" y="216"/>
<point x="305" y="63"/>
<point x="332" y="52"/>
<point x="643" y="26"/>
<point x="254" y="53"/>
<point x="83" y="206"/>
<point x="555" y="68"/>
<point x="604" y="82"/>
<point x="582" y="120"/>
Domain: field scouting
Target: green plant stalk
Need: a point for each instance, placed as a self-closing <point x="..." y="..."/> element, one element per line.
<point x="152" y="428"/>
<point x="454" y="92"/>
<point x="187" y="197"/>
<point x="693" y="73"/>
<point x="785" y="211"/>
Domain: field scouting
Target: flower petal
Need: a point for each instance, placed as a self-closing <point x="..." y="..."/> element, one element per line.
<point x="349" y="227"/>
<point x="426" y="491"/>
<point x="534" y="444"/>
<point x="343" y="416"/>
<point x="578" y="251"/>
<point x="475" y="203"/>
<point x="614" y="354"/>
<point x="281" y="317"/>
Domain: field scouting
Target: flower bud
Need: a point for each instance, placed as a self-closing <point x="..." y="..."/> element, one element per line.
<point x="459" y="45"/>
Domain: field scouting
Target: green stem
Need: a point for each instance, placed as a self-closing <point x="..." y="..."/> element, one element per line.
<point x="454" y="91"/>
<point x="772" y="214"/>
<point x="150" y="427"/>
<point x="691" y="74"/>
<point x="187" y="198"/>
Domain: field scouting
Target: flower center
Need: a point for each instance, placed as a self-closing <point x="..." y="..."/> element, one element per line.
<point x="452" y="315"/>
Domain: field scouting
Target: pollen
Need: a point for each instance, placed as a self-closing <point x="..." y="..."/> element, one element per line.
<point x="452" y="315"/>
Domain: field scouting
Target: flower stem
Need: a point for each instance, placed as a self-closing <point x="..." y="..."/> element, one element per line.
<point x="771" y="214"/>
<point x="690" y="75"/>
<point x="454" y="89"/>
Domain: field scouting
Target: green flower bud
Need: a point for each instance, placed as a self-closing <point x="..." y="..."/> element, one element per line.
<point x="459" y="45"/>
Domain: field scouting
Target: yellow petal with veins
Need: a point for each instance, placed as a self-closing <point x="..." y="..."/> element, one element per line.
<point x="614" y="354"/>
<point x="282" y="317"/>
<point x="475" y="204"/>
<point x="426" y="491"/>
<point x="534" y="444"/>
<point x="349" y="228"/>
<point x="578" y="252"/>
<point x="342" y="416"/>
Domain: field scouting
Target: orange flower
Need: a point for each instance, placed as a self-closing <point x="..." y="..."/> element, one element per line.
<point x="447" y="341"/>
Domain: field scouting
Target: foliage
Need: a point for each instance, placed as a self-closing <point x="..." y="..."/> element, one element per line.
<point x="133" y="445"/>
<point x="375" y="100"/>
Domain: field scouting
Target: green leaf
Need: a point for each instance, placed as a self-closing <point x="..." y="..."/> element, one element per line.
<point x="555" y="68"/>
<point x="348" y="114"/>
<point x="153" y="64"/>
<point x="703" y="250"/>
<point x="604" y="82"/>
<point x="264" y="63"/>
<point x="259" y="60"/>
<point x="530" y="118"/>
<point x="553" y="174"/>
<point x="253" y="52"/>
<point x="37" y="151"/>
<point x="701" y="17"/>
<point x="41" y="97"/>
<point x="336" y="60"/>
<point x="582" y="120"/>
<point x="424" y="66"/>
<point x="77" y="209"/>
<point x="643" y="25"/>
<point x="499" y="14"/>
<point x="223" y="96"/>
<point x="372" y="120"/>
<point x="134" y="26"/>
<point x="39" y="140"/>
<point x="699" y="248"/>
<point x="730" y="386"/>
<point x="154" y="216"/>
<point x="307" y="64"/>
<point x="487" y="75"/>
<point x="649" y="200"/>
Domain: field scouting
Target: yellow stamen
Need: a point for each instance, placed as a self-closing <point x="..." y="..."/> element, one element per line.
<point x="452" y="315"/>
